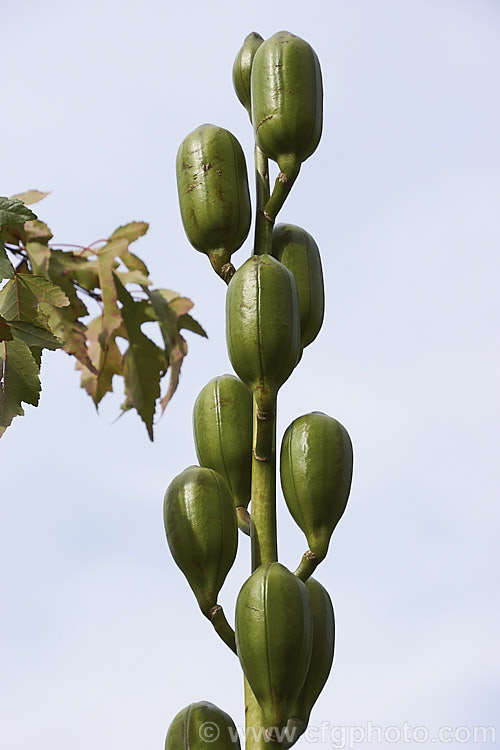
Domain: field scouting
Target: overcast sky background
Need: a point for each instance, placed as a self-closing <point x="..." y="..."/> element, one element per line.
<point x="101" y="640"/>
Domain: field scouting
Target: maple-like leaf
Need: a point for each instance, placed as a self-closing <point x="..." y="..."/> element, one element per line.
<point x="33" y="335"/>
<point x="132" y="232"/>
<point x="144" y="363"/>
<point x="165" y="316"/>
<point x="21" y="297"/>
<point x="64" y="322"/>
<point x="36" y="236"/>
<point x="64" y="270"/>
<point x="13" y="212"/>
<point x="106" y="362"/>
<point x="106" y="262"/>
<point x="19" y="380"/>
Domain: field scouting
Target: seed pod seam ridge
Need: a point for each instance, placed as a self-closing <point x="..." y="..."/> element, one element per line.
<point x="219" y="432"/>
<point x="266" y="619"/>
<point x="221" y="551"/>
<point x="298" y="505"/>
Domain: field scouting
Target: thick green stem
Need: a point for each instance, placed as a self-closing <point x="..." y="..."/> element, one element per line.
<point x="263" y="542"/>
<point x="263" y="507"/>
<point x="263" y="227"/>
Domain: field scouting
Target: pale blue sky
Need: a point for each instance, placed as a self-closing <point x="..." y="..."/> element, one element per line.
<point x="101" y="639"/>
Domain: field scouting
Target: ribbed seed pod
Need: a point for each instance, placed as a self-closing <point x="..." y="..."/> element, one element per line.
<point x="242" y="69"/>
<point x="321" y="656"/>
<point x="200" y="726"/>
<point x="200" y="523"/>
<point x="213" y="193"/>
<point x="287" y="100"/>
<point x="316" y="472"/>
<point x="297" y="250"/>
<point x="222" y="425"/>
<point x="263" y="326"/>
<point x="274" y="639"/>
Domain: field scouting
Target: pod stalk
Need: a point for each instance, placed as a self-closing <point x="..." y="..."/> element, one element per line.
<point x="222" y="627"/>
<point x="244" y="519"/>
<point x="263" y="227"/>
<point x="307" y="566"/>
<point x="285" y="180"/>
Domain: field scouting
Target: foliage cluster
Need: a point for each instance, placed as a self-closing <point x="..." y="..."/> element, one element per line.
<point x="43" y="305"/>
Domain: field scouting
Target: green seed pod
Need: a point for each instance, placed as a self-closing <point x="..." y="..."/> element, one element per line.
<point x="213" y="193"/>
<point x="201" y="529"/>
<point x="202" y="725"/>
<point x="297" y="250"/>
<point x="222" y="422"/>
<point x="316" y="472"/>
<point x="274" y="639"/>
<point x="287" y="100"/>
<point x="263" y="326"/>
<point x="321" y="656"/>
<point x="242" y="69"/>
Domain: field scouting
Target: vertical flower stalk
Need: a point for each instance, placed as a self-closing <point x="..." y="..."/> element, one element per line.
<point x="284" y="622"/>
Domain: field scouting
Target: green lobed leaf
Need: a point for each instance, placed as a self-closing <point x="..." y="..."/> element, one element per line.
<point x="19" y="381"/>
<point x="39" y="255"/>
<point x="112" y="317"/>
<point x="36" y="236"/>
<point x="13" y="212"/>
<point x="73" y="332"/>
<point x="165" y="316"/>
<point x="144" y="363"/>
<point x="21" y="297"/>
<point x="106" y="362"/>
<point x="64" y="270"/>
<point x="33" y="335"/>
<point x="131" y="232"/>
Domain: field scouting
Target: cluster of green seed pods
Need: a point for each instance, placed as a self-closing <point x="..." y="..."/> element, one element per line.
<point x="284" y="631"/>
